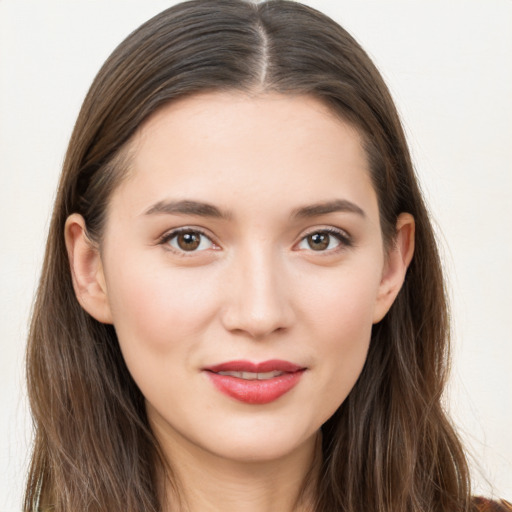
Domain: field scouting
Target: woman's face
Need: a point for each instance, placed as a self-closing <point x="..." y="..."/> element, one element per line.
<point x="243" y="267"/>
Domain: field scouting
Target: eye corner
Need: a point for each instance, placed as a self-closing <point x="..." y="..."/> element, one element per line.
<point x="193" y="241"/>
<point x="328" y="240"/>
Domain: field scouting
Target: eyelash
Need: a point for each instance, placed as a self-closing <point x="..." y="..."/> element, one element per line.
<point x="344" y="239"/>
<point x="166" y="239"/>
<point x="341" y="236"/>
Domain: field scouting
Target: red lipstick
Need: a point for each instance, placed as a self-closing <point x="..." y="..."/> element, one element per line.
<point x="255" y="383"/>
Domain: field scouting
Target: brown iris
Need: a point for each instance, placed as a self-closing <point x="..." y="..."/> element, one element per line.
<point x="188" y="241"/>
<point x="319" y="241"/>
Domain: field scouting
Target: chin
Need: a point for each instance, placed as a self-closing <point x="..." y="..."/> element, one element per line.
<point x="263" y="450"/>
<point x="262" y="440"/>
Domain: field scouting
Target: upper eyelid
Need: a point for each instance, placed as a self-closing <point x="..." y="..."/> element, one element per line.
<point x="168" y="235"/>
<point x="344" y="238"/>
<point x="164" y="241"/>
<point x="171" y="233"/>
<point x="329" y="229"/>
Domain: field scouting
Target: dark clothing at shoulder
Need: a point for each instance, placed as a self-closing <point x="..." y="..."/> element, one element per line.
<point x="486" y="505"/>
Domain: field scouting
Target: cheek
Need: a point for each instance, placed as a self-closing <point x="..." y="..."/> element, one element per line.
<point x="157" y="310"/>
<point x="342" y="302"/>
<point x="340" y="323"/>
<point x="159" y="317"/>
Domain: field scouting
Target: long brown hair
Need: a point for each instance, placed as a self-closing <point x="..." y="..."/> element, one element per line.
<point x="389" y="447"/>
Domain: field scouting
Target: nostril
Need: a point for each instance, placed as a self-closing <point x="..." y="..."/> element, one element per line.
<point x="256" y="326"/>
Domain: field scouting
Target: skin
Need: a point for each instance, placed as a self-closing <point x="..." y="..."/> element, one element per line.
<point x="256" y="288"/>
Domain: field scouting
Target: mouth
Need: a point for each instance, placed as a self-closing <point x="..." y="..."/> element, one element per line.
<point x="252" y="375"/>
<point x="255" y="383"/>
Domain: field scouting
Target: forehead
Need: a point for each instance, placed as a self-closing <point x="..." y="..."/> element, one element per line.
<point x="231" y="147"/>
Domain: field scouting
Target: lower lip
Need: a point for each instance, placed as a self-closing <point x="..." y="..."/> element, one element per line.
<point x="255" y="391"/>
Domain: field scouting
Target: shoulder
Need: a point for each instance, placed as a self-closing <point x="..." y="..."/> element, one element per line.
<point x="485" y="505"/>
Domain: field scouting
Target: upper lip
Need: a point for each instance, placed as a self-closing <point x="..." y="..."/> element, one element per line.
<point x="262" y="367"/>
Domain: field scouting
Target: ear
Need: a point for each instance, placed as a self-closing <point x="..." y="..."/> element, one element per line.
<point x="86" y="270"/>
<point x="397" y="261"/>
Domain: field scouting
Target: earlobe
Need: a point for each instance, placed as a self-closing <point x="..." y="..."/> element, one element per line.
<point x="86" y="270"/>
<point x="398" y="259"/>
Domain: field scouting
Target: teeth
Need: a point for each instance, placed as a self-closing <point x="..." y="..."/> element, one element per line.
<point x="252" y="375"/>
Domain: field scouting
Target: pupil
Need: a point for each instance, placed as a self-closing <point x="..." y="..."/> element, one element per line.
<point x="318" y="241"/>
<point x="189" y="241"/>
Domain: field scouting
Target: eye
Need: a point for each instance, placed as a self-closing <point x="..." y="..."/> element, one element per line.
<point x="188" y="240"/>
<point x="324" y="240"/>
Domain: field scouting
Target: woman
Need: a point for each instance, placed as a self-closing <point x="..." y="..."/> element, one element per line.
<point x="241" y="320"/>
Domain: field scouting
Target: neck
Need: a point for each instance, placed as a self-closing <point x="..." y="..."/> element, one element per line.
<point x="204" y="482"/>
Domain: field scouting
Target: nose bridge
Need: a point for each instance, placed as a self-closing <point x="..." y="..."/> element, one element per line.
<point x="258" y="303"/>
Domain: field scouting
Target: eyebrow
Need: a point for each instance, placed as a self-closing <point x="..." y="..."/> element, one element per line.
<point x="337" y="205"/>
<point x="200" y="209"/>
<point x="187" y="207"/>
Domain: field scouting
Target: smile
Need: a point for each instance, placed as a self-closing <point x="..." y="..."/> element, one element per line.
<point x="252" y="375"/>
<point x="255" y="383"/>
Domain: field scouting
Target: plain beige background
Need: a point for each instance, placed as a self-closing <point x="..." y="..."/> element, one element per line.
<point x="448" y="64"/>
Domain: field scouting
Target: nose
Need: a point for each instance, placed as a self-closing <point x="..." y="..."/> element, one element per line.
<point x="258" y="300"/>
